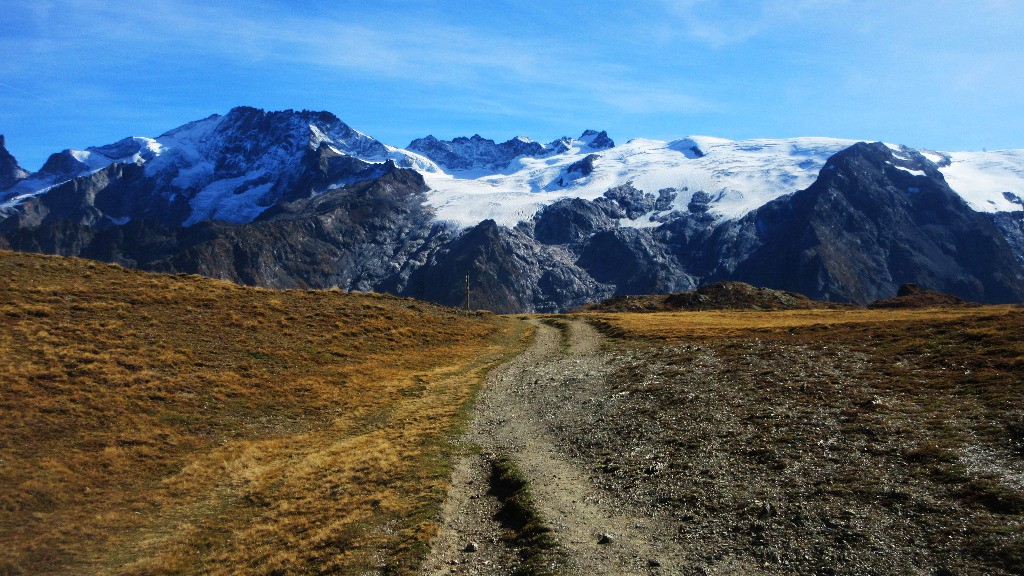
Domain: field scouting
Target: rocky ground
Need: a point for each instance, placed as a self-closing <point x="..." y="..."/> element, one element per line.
<point x="517" y="415"/>
<point x="819" y="453"/>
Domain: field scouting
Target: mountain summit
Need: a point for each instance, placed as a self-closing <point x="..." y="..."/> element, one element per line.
<point x="10" y="172"/>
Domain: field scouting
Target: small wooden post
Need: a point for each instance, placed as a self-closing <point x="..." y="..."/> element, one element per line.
<point x="465" y="303"/>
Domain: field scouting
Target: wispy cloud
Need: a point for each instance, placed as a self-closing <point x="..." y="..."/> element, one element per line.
<point x="701" y="21"/>
<point x="721" y="23"/>
<point x="404" y="49"/>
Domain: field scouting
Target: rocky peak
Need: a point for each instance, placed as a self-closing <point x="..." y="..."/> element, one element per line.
<point x="559" y="146"/>
<point x="875" y="178"/>
<point x="475" y="152"/>
<point x="520" y="146"/>
<point x="868" y="225"/>
<point x="120" y="149"/>
<point x="625" y="201"/>
<point x="63" y="164"/>
<point x="595" y="140"/>
<point x="879" y="156"/>
<point x="10" y="172"/>
<point x="250" y="138"/>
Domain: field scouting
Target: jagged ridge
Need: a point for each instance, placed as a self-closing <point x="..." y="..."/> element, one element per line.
<point x="477" y="153"/>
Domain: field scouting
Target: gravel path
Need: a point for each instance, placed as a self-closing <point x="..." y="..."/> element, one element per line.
<point x="517" y="414"/>
<point x="842" y="452"/>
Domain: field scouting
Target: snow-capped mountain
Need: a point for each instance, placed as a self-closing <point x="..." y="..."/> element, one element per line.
<point x="228" y="168"/>
<point x="293" y="199"/>
<point x="725" y="178"/>
<point x="231" y="168"/>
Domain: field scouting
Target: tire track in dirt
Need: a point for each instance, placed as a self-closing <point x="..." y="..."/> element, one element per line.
<point x="512" y="417"/>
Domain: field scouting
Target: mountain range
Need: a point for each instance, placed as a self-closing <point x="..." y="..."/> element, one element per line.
<point x="299" y="199"/>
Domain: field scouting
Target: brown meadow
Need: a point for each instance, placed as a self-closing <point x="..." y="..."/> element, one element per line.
<point x="157" y="424"/>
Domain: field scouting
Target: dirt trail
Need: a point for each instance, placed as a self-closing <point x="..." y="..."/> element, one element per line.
<point x="517" y="414"/>
<point x="847" y="450"/>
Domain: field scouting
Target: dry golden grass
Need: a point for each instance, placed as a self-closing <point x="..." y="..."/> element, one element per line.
<point x="154" y="424"/>
<point x="725" y="323"/>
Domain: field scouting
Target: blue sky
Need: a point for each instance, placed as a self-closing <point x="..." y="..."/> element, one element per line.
<point x="933" y="74"/>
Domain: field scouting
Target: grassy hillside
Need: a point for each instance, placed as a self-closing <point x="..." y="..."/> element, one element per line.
<point x="156" y="424"/>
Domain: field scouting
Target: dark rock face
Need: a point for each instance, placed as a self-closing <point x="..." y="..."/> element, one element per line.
<point x="10" y="172"/>
<point x="666" y="196"/>
<point x="563" y="144"/>
<point x="626" y="202"/>
<point x="1011" y="226"/>
<point x="360" y="237"/>
<point x="321" y="169"/>
<point x="583" y="167"/>
<point x="508" y="272"/>
<point x="497" y="261"/>
<point x="570" y="221"/>
<point x="83" y="201"/>
<point x="632" y="261"/>
<point x="699" y="202"/>
<point x="576" y="170"/>
<point x="368" y="235"/>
